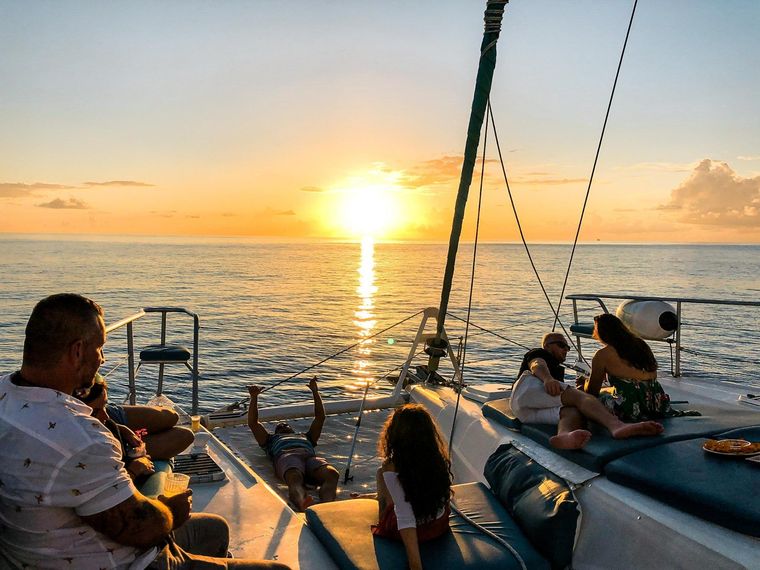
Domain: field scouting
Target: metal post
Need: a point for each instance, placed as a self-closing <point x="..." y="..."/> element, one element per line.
<point x="577" y="338"/>
<point x="160" y="387"/>
<point x="131" y="361"/>
<point x="196" y="328"/>
<point x="678" y="340"/>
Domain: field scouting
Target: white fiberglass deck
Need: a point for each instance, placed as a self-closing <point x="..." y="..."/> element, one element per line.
<point x="334" y="445"/>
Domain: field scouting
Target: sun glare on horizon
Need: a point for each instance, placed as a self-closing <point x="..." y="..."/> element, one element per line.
<point x="368" y="206"/>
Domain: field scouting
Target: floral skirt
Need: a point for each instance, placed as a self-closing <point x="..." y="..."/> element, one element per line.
<point x="633" y="401"/>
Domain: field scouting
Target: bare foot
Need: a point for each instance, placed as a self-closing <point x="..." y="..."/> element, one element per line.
<point x="307" y="502"/>
<point x="571" y="440"/>
<point x="640" y="429"/>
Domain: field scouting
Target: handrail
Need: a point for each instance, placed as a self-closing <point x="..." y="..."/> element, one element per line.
<point x="594" y="297"/>
<point x="677" y="300"/>
<point x="128" y="322"/>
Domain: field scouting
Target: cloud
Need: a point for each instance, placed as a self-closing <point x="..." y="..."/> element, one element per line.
<point x="70" y="204"/>
<point x="193" y="216"/>
<point x="715" y="195"/>
<point x="442" y="170"/>
<point x="120" y="183"/>
<point x="754" y="157"/>
<point x="661" y="166"/>
<point x="228" y="215"/>
<point x="283" y="213"/>
<point x="163" y="213"/>
<point x="548" y="181"/>
<point x="311" y="189"/>
<point x="16" y="189"/>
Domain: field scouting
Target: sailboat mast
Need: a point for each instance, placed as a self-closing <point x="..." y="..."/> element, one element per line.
<point x="492" y="18"/>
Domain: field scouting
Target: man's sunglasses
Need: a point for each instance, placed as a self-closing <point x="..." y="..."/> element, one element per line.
<point x="560" y="343"/>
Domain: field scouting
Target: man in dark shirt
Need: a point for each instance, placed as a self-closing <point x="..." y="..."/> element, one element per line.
<point x="540" y="395"/>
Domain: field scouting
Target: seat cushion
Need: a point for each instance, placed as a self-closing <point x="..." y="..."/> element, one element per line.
<point x="723" y="490"/>
<point x="343" y="527"/>
<point x="602" y="448"/>
<point x="165" y="353"/>
<point x="501" y="412"/>
<point x="538" y="500"/>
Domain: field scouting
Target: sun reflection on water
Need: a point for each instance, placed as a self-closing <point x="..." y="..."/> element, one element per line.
<point x="364" y="316"/>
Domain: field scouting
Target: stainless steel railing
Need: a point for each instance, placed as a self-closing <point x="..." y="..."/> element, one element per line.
<point x="679" y="302"/>
<point x="129" y="321"/>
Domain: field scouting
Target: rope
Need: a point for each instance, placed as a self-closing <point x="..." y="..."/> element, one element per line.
<point x="472" y="285"/>
<point x="341" y="351"/>
<point x="522" y="236"/>
<point x="491" y="534"/>
<point x="593" y="168"/>
<point x="490" y="332"/>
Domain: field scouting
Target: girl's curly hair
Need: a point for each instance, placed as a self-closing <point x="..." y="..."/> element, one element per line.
<point x="412" y="441"/>
<point x="613" y="332"/>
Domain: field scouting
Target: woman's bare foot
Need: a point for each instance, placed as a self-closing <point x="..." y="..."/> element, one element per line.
<point x="571" y="440"/>
<point x="640" y="429"/>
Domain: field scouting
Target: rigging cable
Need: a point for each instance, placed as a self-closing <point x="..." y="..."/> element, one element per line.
<point x="522" y="235"/>
<point x="593" y="168"/>
<point x="472" y="283"/>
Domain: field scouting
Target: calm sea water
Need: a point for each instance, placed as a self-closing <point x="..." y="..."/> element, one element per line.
<point x="269" y="310"/>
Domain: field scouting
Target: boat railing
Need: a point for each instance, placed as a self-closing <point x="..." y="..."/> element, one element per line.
<point x="129" y="321"/>
<point x="679" y="306"/>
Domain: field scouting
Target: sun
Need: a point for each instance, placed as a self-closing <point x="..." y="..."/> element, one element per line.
<point x="373" y="203"/>
<point x="368" y="211"/>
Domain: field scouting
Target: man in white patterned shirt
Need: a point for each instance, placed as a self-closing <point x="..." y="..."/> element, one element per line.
<point x="66" y="500"/>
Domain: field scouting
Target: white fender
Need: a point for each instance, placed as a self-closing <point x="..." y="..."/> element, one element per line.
<point x="653" y="320"/>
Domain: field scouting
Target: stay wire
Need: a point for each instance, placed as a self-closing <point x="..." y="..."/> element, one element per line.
<point x="593" y="168"/>
<point x="472" y="284"/>
<point x="522" y="236"/>
<point x="485" y="330"/>
<point x="334" y="355"/>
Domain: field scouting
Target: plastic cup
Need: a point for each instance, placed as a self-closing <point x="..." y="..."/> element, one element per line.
<point x="175" y="483"/>
<point x="195" y="423"/>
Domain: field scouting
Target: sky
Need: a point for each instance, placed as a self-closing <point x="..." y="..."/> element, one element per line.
<point x="338" y="120"/>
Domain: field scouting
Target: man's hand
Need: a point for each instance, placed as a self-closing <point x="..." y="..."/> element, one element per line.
<point x="254" y="391"/>
<point x="313" y="385"/>
<point x="553" y="387"/>
<point x="180" y="505"/>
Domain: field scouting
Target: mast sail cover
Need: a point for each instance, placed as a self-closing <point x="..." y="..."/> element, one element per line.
<point x="492" y="18"/>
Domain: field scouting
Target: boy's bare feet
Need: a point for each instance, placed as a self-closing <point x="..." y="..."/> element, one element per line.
<point x="571" y="440"/>
<point x="640" y="429"/>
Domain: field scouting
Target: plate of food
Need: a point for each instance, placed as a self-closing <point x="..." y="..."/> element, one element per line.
<point x="731" y="447"/>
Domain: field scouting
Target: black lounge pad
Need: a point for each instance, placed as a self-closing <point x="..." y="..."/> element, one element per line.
<point x="165" y="353"/>
<point x="602" y="448"/>
<point x="501" y="411"/>
<point x="343" y="528"/>
<point x="541" y="502"/>
<point x="723" y="490"/>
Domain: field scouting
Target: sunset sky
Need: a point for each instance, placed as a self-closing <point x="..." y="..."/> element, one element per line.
<point x="336" y="119"/>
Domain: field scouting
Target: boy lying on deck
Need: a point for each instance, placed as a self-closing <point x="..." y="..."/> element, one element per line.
<point x="293" y="455"/>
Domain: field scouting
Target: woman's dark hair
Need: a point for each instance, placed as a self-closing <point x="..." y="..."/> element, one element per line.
<point x="631" y="348"/>
<point x="411" y="440"/>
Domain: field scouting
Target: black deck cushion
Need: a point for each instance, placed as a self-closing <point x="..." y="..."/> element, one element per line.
<point x="601" y="449"/>
<point x="343" y="528"/>
<point x="723" y="490"/>
<point x="541" y="502"/>
<point x="501" y="412"/>
<point x="165" y="353"/>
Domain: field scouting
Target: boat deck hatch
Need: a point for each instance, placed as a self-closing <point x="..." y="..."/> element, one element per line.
<point x="200" y="466"/>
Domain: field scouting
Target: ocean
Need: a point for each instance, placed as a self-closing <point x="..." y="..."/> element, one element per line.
<point x="269" y="310"/>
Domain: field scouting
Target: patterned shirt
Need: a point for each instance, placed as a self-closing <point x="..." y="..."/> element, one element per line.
<point x="281" y="442"/>
<point x="58" y="463"/>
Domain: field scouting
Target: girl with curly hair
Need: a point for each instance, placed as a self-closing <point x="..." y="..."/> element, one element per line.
<point x="629" y="365"/>
<point x="414" y="481"/>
